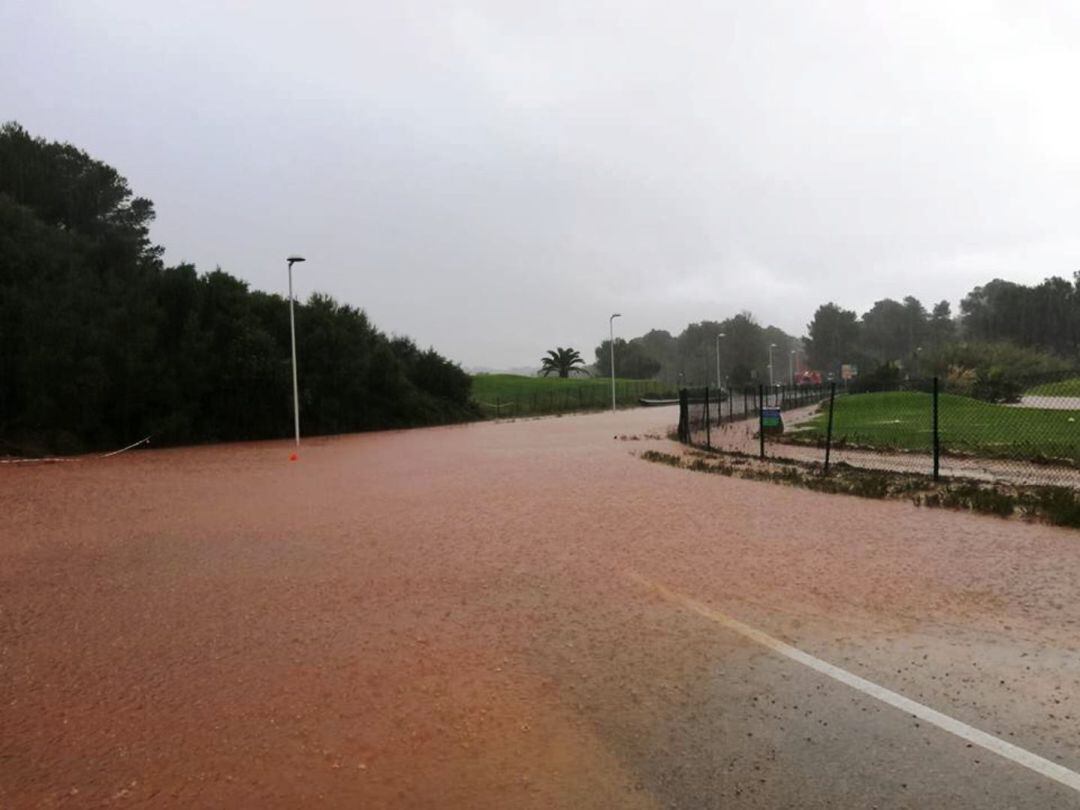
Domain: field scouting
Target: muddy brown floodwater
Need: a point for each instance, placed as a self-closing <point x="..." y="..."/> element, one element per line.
<point x="454" y="617"/>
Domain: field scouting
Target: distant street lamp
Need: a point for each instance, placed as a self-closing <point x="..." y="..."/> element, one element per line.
<point x="611" y="343"/>
<point x="718" y="336"/>
<point x="791" y="366"/>
<point x="292" y="332"/>
<point x="771" y="347"/>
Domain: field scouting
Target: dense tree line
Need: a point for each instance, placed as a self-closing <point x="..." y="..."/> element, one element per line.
<point x="902" y="333"/>
<point x="1001" y="324"/>
<point x="1003" y="328"/>
<point x="1045" y="316"/>
<point x="101" y="343"/>
<point x="690" y="358"/>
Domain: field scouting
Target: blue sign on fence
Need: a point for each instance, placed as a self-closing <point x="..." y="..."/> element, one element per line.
<point x="771" y="420"/>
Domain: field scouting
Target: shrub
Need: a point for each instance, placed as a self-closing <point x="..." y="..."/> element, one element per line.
<point x="995" y="372"/>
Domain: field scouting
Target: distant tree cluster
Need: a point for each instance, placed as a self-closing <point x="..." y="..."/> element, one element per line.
<point x="1004" y="331"/>
<point x="900" y="333"/>
<point x="690" y="357"/>
<point x="633" y="360"/>
<point x="101" y="344"/>
<point x="1045" y="316"/>
<point x="1001" y="325"/>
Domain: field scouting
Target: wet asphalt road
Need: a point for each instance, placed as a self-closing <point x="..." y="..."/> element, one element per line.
<point x="457" y="617"/>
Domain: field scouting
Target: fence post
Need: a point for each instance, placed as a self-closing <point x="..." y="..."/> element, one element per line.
<point x="761" y="420"/>
<point x="828" y="431"/>
<point x="937" y="438"/>
<point x="708" y="431"/>
<point x="684" y="427"/>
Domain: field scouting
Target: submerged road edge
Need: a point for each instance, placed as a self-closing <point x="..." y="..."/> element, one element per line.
<point x="1034" y="762"/>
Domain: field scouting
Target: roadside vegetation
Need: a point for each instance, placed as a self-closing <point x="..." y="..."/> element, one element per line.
<point x="902" y="420"/>
<point x="102" y="343"/>
<point x="511" y="395"/>
<point x="1059" y="506"/>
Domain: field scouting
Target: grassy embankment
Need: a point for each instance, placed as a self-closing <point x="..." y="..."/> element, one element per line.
<point x="1059" y="506"/>
<point x="511" y="395"/>
<point x="902" y="421"/>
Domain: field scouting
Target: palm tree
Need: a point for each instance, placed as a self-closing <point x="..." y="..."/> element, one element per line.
<point x="563" y="361"/>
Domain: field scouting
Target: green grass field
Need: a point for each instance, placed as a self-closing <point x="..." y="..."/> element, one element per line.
<point x="902" y="421"/>
<point x="1064" y="388"/>
<point x="509" y="395"/>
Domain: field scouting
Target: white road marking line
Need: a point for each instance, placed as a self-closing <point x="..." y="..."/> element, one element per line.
<point x="1034" y="762"/>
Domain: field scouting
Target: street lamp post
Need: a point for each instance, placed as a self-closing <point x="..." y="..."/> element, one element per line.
<point x="718" y="336"/>
<point x="771" y="347"/>
<point x="292" y="333"/>
<point x="611" y="343"/>
<point x="791" y="366"/>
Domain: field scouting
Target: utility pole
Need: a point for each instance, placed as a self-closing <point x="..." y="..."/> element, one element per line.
<point x="720" y="335"/>
<point x="611" y="343"/>
<point x="292" y="334"/>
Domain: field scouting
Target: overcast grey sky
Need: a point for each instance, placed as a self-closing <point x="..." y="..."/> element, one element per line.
<point x="496" y="178"/>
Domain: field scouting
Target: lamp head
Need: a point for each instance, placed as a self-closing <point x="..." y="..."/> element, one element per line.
<point x="294" y="259"/>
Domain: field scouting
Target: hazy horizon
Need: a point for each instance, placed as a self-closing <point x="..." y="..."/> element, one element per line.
<point x="496" y="179"/>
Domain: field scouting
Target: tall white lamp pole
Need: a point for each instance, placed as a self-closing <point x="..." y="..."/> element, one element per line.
<point x="292" y="332"/>
<point x="718" y="336"/>
<point x="611" y="343"/>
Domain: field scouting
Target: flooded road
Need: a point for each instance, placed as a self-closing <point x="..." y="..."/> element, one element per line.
<point x="514" y="614"/>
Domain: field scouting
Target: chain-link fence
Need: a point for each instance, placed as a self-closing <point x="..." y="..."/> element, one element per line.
<point x="934" y="427"/>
